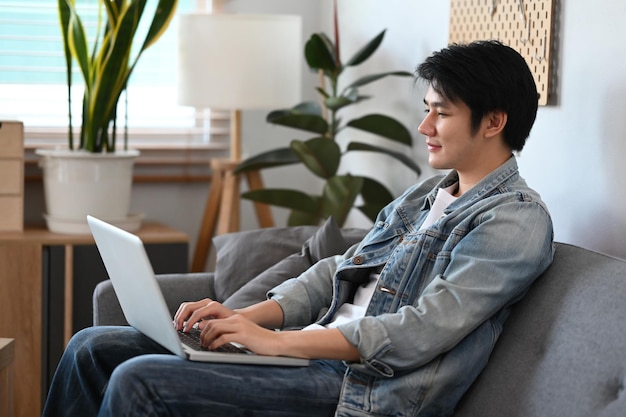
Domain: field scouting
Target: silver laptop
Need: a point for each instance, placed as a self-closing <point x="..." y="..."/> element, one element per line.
<point x="142" y="302"/>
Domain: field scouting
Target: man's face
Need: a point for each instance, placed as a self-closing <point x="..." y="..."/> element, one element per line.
<point x="447" y="127"/>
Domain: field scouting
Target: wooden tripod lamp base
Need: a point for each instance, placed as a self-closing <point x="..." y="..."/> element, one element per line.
<point x="221" y="214"/>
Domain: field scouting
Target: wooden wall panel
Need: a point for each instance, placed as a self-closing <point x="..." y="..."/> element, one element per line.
<point x="524" y="25"/>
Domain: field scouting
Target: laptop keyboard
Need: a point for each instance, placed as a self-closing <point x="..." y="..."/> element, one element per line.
<point x="192" y="339"/>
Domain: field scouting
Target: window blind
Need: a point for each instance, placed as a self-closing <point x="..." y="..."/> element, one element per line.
<point x="33" y="82"/>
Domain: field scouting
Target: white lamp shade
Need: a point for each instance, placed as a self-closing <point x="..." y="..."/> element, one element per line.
<point x="230" y="61"/>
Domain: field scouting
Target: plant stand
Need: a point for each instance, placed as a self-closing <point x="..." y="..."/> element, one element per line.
<point x="222" y="207"/>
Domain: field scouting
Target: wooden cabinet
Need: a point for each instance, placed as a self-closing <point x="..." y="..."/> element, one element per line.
<point x="46" y="281"/>
<point x="6" y="377"/>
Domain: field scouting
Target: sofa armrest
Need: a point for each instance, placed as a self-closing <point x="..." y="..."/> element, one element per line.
<point x="176" y="288"/>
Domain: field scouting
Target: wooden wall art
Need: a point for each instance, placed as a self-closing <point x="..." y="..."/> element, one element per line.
<point x="525" y="25"/>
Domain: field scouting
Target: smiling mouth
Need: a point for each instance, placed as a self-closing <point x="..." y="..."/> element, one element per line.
<point x="432" y="147"/>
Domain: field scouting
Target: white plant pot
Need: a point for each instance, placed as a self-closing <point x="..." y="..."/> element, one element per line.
<point x="78" y="183"/>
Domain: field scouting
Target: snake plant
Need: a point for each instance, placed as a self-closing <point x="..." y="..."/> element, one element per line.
<point x="321" y="154"/>
<point x="106" y="65"/>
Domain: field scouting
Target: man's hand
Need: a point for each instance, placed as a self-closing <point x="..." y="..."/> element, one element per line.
<point x="311" y="344"/>
<point x="237" y="328"/>
<point x="220" y="325"/>
<point x="190" y="313"/>
<point x="251" y="326"/>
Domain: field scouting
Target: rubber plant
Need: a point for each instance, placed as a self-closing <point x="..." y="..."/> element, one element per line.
<point x="321" y="154"/>
<point x="108" y="64"/>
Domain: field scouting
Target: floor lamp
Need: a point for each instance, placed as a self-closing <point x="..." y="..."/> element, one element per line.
<point x="236" y="62"/>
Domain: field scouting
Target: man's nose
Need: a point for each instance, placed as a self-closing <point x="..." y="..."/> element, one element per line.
<point x="426" y="128"/>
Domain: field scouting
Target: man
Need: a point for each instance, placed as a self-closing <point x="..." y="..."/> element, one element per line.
<point x="411" y="313"/>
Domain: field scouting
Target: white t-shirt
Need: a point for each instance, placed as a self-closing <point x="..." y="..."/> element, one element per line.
<point x="351" y="311"/>
<point x="442" y="201"/>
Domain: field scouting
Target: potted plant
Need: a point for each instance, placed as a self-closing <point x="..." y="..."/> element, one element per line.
<point x="75" y="183"/>
<point x="321" y="154"/>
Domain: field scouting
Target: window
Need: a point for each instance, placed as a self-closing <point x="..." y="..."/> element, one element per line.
<point x="33" y="84"/>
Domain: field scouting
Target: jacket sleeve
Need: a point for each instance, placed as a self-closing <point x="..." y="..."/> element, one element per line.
<point x="489" y="267"/>
<point x="306" y="298"/>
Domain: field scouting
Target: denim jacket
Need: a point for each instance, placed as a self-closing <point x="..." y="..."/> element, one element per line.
<point x="442" y="297"/>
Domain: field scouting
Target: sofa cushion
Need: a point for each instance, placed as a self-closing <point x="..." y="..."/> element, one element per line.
<point x="263" y="258"/>
<point x="563" y="349"/>
<point x="326" y="241"/>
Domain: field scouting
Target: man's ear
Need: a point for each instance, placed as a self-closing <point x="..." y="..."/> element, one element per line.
<point x="495" y="122"/>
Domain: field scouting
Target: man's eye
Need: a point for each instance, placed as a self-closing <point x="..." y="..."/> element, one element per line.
<point x="439" y="113"/>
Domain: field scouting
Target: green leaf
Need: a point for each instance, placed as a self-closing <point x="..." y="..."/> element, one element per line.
<point x="113" y="70"/>
<point x="320" y="155"/>
<point x="367" y="50"/>
<point x="358" y="146"/>
<point x="321" y="91"/>
<point x="64" y="19"/>
<point x="375" y="77"/>
<point x="106" y="69"/>
<point x="308" y="107"/>
<point x="375" y="196"/>
<point x="269" y="159"/>
<point x="339" y="195"/>
<point x="160" y="22"/>
<point x="77" y="43"/>
<point x="375" y="192"/>
<point x="348" y="97"/>
<point x="113" y="9"/>
<point x="291" y="199"/>
<point x="384" y="126"/>
<point x="301" y="218"/>
<point x="336" y="103"/>
<point x="319" y="53"/>
<point x="370" y="210"/>
<point x="303" y="121"/>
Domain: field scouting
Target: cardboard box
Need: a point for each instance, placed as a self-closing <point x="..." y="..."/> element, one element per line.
<point x="11" y="176"/>
<point x="11" y="139"/>
<point x="11" y="213"/>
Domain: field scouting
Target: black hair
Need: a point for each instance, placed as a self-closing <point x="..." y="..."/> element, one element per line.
<point x="486" y="76"/>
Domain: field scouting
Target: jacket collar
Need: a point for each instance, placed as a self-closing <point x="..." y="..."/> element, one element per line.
<point x="487" y="185"/>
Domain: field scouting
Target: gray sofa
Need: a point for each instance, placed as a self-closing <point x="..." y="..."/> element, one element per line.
<point x="562" y="353"/>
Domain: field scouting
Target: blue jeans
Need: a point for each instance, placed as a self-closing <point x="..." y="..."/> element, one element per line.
<point x="117" y="371"/>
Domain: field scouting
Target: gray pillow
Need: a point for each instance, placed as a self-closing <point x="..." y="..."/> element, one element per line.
<point x="243" y="255"/>
<point x="327" y="241"/>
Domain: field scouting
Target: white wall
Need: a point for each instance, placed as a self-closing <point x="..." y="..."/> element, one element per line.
<point x="574" y="156"/>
